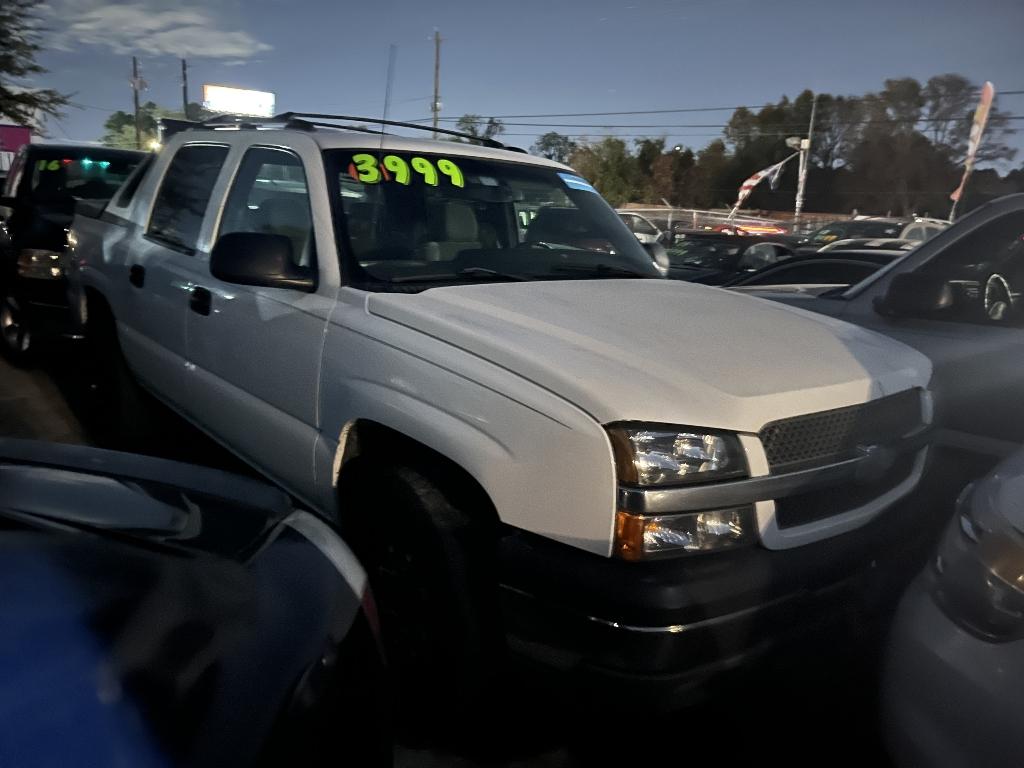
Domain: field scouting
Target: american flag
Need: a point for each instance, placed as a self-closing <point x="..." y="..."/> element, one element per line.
<point x="748" y="186"/>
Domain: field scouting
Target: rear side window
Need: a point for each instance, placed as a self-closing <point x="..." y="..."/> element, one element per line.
<point x="184" y="194"/>
<point x="128" y="190"/>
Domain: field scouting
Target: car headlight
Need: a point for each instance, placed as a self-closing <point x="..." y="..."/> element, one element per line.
<point x="661" y="456"/>
<point x="644" y="537"/>
<point x="40" y="264"/>
<point x="979" y="571"/>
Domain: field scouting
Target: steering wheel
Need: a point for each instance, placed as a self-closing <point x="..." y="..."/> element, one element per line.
<point x="998" y="299"/>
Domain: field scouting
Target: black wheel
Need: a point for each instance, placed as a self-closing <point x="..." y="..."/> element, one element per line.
<point x="431" y="570"/>
<point x="15" y="329"/>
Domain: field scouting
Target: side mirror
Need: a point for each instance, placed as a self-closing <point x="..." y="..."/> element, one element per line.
<point x="913" y="294"/>
<point x="255" y="258"/>
<point x="659" y="256"/>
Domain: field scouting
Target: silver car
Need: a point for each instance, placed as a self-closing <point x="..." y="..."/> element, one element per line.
<point x="954" y="673"/>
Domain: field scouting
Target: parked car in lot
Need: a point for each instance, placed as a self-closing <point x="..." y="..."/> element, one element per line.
<point x="644" y="229"/>
<point x="820" y="271"/>
<point x="956" y="299"/>
<point x="714" y="259"/>
<point x="869" y="244"/>
<point x="161" y="614"/>
<point x="914" y="230"/>
<point x="955" y="658"/>
<point x="38" y="200"/>
<point x="532" y="441"/>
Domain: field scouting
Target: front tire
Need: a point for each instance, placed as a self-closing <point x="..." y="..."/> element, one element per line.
<point x="431" y="568"/>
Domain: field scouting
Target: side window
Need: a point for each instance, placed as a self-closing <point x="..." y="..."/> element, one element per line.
<point x="132" y="184"/>
<point x="184" y="195"/>
<point x="269" y="195"/>
<point x="986" y="271"/>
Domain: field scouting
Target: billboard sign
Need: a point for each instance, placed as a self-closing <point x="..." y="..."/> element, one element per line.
<point x="223" y="99"/>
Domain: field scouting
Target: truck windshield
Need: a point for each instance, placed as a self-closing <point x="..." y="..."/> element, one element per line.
<point x="433" y="218"/>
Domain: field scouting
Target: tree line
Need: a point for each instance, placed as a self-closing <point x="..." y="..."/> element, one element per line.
<point x="898" y="150"/>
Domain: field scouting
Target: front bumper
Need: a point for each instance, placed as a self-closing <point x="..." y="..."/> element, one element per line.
<point x="654" y="632"/>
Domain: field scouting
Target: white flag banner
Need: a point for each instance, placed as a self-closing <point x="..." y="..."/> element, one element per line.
<point x="988" y="93"/>
<point x="748" y="186"/>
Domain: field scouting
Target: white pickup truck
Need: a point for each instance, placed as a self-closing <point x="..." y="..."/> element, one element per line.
<point x="531" y="440"/>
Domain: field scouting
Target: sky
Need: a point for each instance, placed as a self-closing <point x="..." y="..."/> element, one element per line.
<point x="525" y="57"/>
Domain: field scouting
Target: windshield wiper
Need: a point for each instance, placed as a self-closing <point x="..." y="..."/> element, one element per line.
<point x="475" y="272"/>
<point x="600" y="270"/>
<point x="495" y="273"/>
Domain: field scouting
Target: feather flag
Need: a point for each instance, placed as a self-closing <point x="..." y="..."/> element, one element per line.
<point x="988" y="93"/>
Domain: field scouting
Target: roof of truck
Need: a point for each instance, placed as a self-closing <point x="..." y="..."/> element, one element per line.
<point x="354" y="133"/>
<point x="336" y="138"/>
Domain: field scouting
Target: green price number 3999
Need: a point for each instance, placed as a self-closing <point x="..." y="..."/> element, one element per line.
<point x="365" y="168"/>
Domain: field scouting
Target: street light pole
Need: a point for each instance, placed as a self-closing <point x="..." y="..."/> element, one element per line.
<point x="805" y="161"/>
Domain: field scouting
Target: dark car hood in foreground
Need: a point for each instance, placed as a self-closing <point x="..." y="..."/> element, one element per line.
<point x="163" y="502"/>
<point x="148" y="623"/>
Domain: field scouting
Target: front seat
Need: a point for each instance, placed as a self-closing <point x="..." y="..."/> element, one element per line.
<point x="457" y="231"/>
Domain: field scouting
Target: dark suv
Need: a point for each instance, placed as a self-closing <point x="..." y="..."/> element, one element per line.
<point x="39" y="197"/>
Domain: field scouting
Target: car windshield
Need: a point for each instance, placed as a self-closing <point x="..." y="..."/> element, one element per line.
<point x="424" y="218"/>
<point x="80" y="173"/>
<point x="705" y="254"/>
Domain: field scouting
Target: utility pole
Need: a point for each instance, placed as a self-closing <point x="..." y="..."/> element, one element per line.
<point x="805" y="161"/>
<point x="136" y="86"/>
<point x="184" y="88"/>
<point x="435" y="105"/>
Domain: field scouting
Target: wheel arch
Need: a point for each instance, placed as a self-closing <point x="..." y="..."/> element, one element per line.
<point x="365" y="439"/>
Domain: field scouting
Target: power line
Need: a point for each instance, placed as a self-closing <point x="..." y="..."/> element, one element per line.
<point x="794" y="126"/>
<point x="669" y="111"/>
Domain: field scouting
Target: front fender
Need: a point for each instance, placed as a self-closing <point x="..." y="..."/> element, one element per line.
<point x="546" y="465"/>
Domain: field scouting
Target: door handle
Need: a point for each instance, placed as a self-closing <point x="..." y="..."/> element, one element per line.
<point x="199" y="301"/>
<point x="137" y="275"/>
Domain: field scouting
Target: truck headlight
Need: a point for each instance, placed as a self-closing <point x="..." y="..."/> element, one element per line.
<point x="647" y="455"/>
<point x="643" y="537"/>
<point x="979" y="571"/>
<point x="40" y="264"/>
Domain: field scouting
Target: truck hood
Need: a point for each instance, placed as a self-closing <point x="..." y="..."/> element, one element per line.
<point x="662" y="350"/>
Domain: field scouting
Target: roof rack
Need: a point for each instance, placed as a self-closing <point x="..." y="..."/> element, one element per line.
<point x="311" y="120"/>
<point x="290" y="116"/>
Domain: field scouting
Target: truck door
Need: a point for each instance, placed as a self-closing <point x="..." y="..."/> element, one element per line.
<point x="255" y="351"/>
<point x="155" y="280"/>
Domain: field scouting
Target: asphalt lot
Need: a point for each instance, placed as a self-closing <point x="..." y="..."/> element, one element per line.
<point x="810" y="703"/>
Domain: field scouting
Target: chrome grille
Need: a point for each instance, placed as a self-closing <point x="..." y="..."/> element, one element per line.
<point x="826" y="437"/>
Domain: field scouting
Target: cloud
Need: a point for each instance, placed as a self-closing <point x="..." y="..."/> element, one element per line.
<point x="150" y="27"/>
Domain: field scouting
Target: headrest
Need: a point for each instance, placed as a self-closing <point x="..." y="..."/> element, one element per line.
<point x="459" y="223"/>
